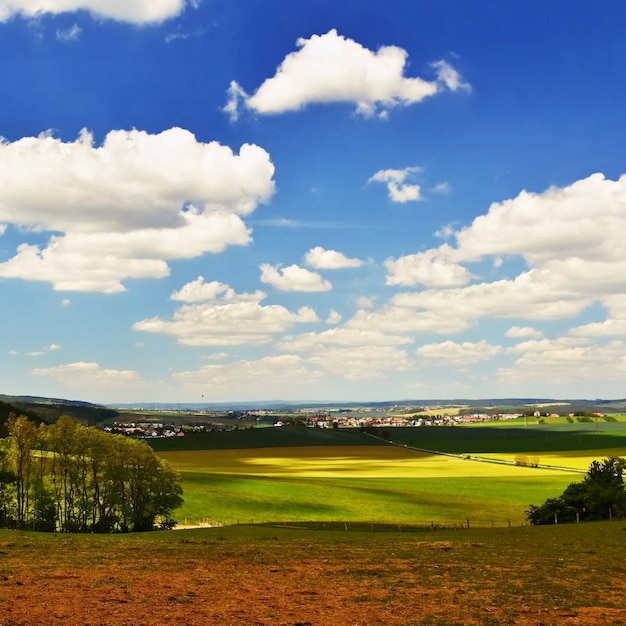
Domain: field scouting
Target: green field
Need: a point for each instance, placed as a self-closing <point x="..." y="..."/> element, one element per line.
<point x="265" y="437"/>
<point x="502" y="437"/>
<point x="300" y="474"/>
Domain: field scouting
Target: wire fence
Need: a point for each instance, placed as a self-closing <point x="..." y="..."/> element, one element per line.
<point x="359" y="526"/>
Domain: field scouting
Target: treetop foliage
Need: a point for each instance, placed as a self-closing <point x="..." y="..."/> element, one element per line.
<point x="71" y="477"/>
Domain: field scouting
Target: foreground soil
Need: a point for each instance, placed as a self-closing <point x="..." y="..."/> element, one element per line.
<point x="286" y="576"/>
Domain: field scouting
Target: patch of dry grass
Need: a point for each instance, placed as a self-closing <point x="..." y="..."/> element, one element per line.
<point x="271" y="575"/>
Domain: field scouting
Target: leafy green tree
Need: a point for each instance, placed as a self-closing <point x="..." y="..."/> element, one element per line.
<point x="81" y="479"/>
<point x="7" y="485"/>
<point x="24" y="435"/>
<point x="44" y="512"/>
<point x="62" y="443"/>
<point x="605" y="496"/>
<point x="153" y="488"/>
<point x="600" y="495"/>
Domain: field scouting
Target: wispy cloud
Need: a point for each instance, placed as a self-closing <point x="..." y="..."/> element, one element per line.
<point x="72" y="33"/>
<point x="182" y="35"/>
<point x="51" y="348"/>
<point x="80" y="374"/>
<point x="399" y="189"/>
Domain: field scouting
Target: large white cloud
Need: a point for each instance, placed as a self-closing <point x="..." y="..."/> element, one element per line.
<point x="565" y="230"/>
<point x="134" y="11"/>
<point x="333" y="68"/>
<point x="531" y="295"/>
<point x="570" y="239"/>
<point x="293" y="278"/>
<point x="126" y="207"/>
<point x="581" y="220"/>
<point x="224" y="319"/>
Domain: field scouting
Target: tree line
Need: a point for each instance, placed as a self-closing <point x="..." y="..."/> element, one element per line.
<point x="600" y="495"/>
<point x="70" y="477"/>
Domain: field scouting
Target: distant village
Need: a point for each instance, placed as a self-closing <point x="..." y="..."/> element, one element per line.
<point x="358" y="417"/>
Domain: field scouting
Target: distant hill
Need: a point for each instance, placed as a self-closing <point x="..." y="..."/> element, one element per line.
<point x="7" y="409"/>
<point x="48" y="410"/>
<point x="477" y="405"/>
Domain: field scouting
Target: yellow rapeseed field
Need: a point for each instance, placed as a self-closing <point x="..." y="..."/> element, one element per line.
<point x="353" y="462"/>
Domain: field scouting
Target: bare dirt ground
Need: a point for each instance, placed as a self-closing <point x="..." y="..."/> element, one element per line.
<point x="190" y="580"/>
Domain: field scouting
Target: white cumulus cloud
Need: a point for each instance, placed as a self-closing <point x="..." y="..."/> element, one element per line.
<point x="431" y="268"/>
<point x="523" y="332"/>
<point x="322" y="259"/>
<point x="334" y="317"/>
<point x="569" y="239"/>
<point x="567" y="361"/>
<point x="124" y="208"/>
<point x="225" y="318"/>
<point x="200" y="291"/>
<point x="133" y="11"/>
<point x="293" y="278"/>
<point x="353" y="354"/>
<point x="399" y="190"/>
<point x="333" y="68"/>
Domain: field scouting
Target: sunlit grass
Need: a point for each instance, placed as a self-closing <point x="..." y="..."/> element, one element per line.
<point x="344" y="462"/>
<point x="385" y="484"/>
<point x="243" y="498"/>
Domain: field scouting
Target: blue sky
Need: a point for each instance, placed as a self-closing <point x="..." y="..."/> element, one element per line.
<point x="358" y="201"/>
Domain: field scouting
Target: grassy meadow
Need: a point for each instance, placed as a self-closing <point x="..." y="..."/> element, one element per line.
<point x="390" y="542"/>
<point x="298" y="474"/>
